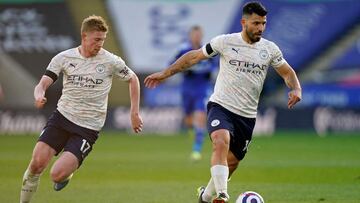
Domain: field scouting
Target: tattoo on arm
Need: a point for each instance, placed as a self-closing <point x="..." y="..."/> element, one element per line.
<point x="184" y="62"/>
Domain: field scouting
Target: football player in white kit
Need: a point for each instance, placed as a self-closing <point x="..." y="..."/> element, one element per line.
<point x="244" y="61"/>
<point x="73" y="127"/>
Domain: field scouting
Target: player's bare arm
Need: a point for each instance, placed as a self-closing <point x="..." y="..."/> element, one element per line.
<point x="134" y="89"/>
<point x="39" y="91"/>
<point x="185" y="61"/>
<point x="291" y="80"/>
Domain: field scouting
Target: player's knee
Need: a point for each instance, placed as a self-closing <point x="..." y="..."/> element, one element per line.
<point x="38" y="164"/>
<point x="200" y="125"/>
<point x="219" y="143"/>
<point x="57" y="175"/>
<point x="220" y="137"/>
<point x="200" y="119"/>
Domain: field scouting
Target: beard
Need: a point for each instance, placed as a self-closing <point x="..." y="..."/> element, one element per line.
<point x="253" y="37"/>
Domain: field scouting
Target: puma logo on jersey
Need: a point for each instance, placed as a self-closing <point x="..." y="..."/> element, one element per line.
<point x="72" y="65"/>
<point x="236" y="50"/>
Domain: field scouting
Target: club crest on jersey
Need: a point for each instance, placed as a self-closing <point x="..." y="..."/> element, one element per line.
<point x="263" y="54"/>
<point x="100" y="68"/>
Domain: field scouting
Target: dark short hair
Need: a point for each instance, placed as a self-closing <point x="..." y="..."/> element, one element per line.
<point x="254" y="7"/>
<point x="195" y="27"/>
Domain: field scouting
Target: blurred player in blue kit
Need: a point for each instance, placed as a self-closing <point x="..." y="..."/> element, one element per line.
<point x="196" y="88"/>
<point x="245" y="58"/>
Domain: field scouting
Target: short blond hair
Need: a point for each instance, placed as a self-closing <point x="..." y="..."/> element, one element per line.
<point x="94" y="23"/>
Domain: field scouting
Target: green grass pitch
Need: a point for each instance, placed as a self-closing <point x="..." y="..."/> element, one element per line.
<point x="288" y="167"/>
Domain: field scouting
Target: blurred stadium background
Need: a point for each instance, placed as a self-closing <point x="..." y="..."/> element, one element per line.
<point x="319" y="38"/>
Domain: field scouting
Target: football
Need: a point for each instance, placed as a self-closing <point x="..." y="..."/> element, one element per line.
<point x="250" y="197"/>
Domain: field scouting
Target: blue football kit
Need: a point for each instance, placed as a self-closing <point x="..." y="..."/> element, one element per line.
<point x="196" y="88"/>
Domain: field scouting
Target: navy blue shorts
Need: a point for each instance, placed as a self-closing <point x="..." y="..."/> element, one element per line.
<point x="61" y="134"/>
<point x="240" y="128"/>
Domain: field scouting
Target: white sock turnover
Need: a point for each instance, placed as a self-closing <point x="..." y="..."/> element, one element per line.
<point x="29" y="186"/>
<point x="209" y="191"/>
<point x="219" y="174"/>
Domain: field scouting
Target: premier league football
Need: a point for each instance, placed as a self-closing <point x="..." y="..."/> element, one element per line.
<point x="250" y="197"/>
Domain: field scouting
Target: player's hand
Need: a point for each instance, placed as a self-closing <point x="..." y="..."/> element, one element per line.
<point x="40" y="102"/>
<point x="154" y="79"/>
<point x="136" y="122"/>
<point x="294" y="97"/>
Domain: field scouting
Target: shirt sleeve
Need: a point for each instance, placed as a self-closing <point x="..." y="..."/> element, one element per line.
<point x="54" y="68"/>
<point x="278" y="58"/>
<point x="121" y="70"/>
<point x="214" y="47"/>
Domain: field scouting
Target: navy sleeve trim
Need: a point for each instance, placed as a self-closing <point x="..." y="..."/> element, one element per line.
<point x="51" y="74"/>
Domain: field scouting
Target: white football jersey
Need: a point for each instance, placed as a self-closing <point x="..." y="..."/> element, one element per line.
<point x="243" y="69"/>
<point x="86" y="84"/>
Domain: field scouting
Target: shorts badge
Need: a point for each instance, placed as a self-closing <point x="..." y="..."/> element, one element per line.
<point x="215" y="123"/>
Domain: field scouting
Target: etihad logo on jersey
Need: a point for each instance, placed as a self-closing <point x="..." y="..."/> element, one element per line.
<point x="248" y="67"/>
<point x="247" y="64"/>
<point x="83" y="81"/>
